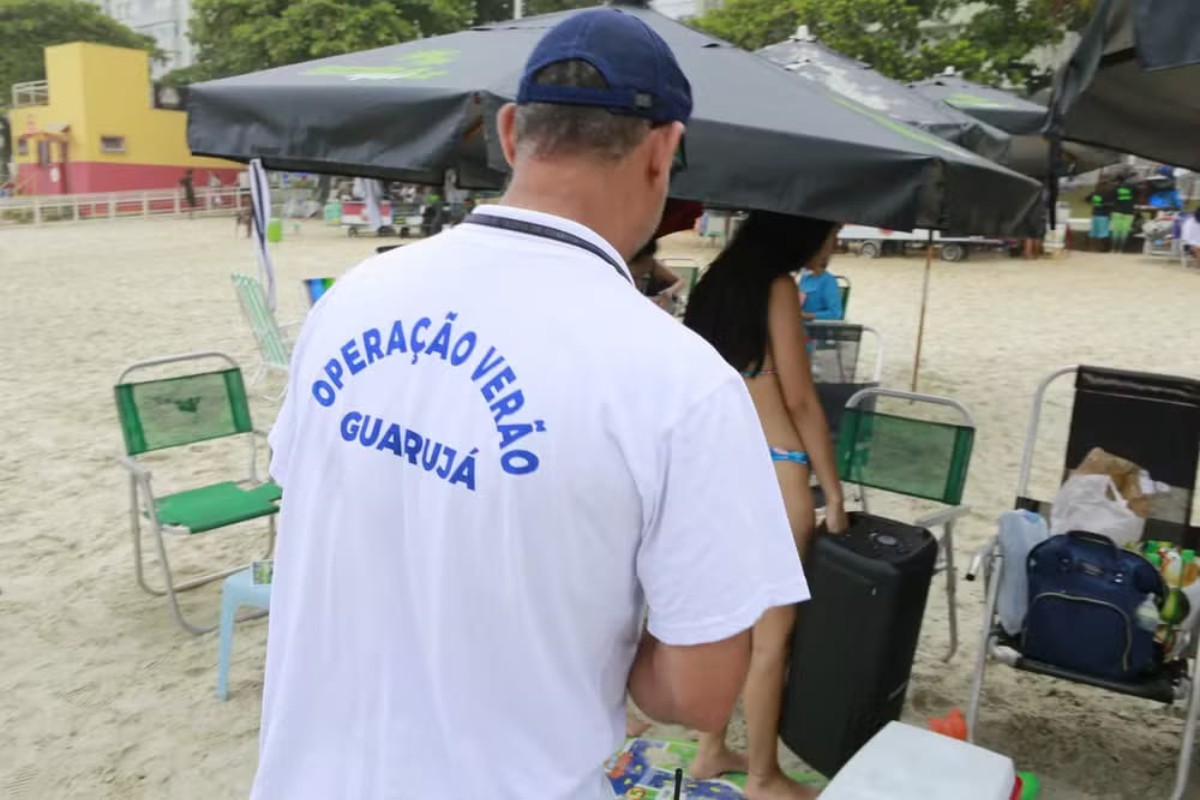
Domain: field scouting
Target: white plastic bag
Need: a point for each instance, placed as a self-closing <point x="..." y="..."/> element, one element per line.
<point x="1093" y="504"/>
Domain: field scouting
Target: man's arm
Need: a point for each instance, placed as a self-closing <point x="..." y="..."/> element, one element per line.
<point x="717" y="553"/>
<point x="694" y="685"/>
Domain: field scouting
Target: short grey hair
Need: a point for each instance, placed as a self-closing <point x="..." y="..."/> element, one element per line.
<point x="545" y="130"/>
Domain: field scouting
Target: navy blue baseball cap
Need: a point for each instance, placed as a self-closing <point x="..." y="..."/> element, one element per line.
<point x="643" y="77"/>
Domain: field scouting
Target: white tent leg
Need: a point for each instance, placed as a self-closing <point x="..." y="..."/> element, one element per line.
<point x="992" y="576"/>
<point x="1189" y="737"/>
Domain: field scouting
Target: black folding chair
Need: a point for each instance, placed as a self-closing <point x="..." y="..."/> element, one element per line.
<point x="835" y="355"/>
<point x="1154" y="421"/>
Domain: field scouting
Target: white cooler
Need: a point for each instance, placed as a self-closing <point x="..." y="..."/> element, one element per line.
<point x="906" y="763"/>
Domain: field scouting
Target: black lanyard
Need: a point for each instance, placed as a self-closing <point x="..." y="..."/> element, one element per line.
<point x="545" y="232"/>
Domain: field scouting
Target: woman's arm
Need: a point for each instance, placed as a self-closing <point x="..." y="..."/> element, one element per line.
<point x="785" y="333"/>
<point x="664" y="275"/>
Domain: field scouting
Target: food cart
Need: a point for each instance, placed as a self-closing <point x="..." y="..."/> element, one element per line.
<point x="354" y="217"/>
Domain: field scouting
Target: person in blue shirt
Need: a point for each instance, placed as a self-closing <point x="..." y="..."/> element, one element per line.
<point x="820" y="295"/>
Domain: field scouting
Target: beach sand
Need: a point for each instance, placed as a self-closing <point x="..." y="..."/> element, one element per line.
<point x="102" y="696"/>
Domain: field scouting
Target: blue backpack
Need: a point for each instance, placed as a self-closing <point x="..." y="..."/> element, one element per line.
<point x="1084" y="595"/>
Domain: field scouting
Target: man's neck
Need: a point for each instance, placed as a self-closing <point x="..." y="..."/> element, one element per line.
<point x="576" y="194"/>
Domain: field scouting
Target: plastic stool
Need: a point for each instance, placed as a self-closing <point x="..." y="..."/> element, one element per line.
<point x="238" y="590"/>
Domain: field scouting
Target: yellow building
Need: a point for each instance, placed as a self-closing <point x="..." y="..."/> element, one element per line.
<point x="97" y="124"/>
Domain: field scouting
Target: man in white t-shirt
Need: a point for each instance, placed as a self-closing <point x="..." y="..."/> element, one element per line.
<point x="1189" y="234"/>
<point x="488" y="487"/>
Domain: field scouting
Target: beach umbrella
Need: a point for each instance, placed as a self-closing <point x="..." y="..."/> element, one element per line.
<point x="260" y="216"/>
<point x="759" y="138"/>
<point x="1024" y="119"/>
<point x="805" y="56"/>
<point x="1133" y="82"/>
<point x="1004" y="110"/>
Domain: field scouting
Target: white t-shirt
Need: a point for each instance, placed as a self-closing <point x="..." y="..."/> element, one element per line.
<point x="495" y="454"/>
<point x="1190" y="231"/>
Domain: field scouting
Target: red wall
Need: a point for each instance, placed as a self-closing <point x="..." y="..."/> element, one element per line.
<point x="93" y="177"/>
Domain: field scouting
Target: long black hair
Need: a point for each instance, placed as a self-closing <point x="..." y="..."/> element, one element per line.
<point x="728" y="307"/>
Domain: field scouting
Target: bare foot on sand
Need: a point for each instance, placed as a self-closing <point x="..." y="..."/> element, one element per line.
<point x="778" y="787"/>
<point x="634" y="725"/>
<point x="709" y="764"/>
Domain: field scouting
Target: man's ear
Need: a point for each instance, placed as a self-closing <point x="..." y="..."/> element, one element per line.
<point x="664" y="141"/>
<point x="506" y="126"/>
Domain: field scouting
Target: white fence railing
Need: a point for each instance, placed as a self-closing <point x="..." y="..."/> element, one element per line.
<point x="30" y="93"/>
<point x="39" y="209"/>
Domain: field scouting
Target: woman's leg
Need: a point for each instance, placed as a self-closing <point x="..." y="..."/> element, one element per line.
<point x="763" y="694"/>
<point x="768" y="661"/>
<point x="798" y="503"/>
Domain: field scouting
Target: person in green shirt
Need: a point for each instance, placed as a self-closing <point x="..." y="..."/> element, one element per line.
<point x="1122" y="215"/>
<point x="1101" y="217"/>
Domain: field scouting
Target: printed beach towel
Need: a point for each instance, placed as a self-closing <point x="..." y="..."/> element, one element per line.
<point x="645" y="770"/>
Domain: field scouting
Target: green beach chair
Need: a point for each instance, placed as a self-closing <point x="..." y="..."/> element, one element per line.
<point x="686" y="268"/>
<point x="689" y="270"/>
<point x="160" y="413"/>
<point x="912" y="456"/>
<point x="273" y="340"/>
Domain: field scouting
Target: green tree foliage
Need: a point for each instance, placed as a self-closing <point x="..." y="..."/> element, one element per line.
<point x="498" y="10"/>
<point x="994" y="47"/>
<point x="547" y="6"/>
<point x="237" y="36"/>
<point x="28" y="26"/>
<point x="913" y="39"/>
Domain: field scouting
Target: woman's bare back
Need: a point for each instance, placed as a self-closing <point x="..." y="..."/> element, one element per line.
<point x="773" y="412"/>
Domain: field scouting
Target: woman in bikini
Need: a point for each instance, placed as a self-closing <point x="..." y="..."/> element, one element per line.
<point x="747" y="307"/>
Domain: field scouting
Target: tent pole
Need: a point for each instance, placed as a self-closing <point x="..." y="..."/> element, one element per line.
<point x="924" y="303"/>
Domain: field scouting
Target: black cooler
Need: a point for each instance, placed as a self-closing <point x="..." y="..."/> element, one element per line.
<point x="853" y="650"/>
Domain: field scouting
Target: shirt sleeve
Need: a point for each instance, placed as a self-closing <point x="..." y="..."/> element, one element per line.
<point x="718" y="551"/>
<point x="831" y="299"/>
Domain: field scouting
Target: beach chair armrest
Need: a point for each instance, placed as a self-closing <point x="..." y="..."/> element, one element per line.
<point x="255" y="435"/>
<point x="982" y="559"/>
<point x="134" y="468"/>
<point x="939" y="518"/>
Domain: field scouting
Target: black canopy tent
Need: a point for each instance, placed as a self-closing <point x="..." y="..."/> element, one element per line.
<point x="759" y="138"/>
<point x="1133" y="82"/>
<point x="807" y="57"/>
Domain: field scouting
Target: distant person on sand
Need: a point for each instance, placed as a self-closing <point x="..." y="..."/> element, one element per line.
<point x="1190" y="235"/>
<point x="1101" y="204"/>
<point x="1123" y="209"/>
<point x="747" y="307"/>
<point x="653" y="278"/>
<point x="489" y="490"/>
<point x="820" y="295"/>
<point x="188" y="182"/>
